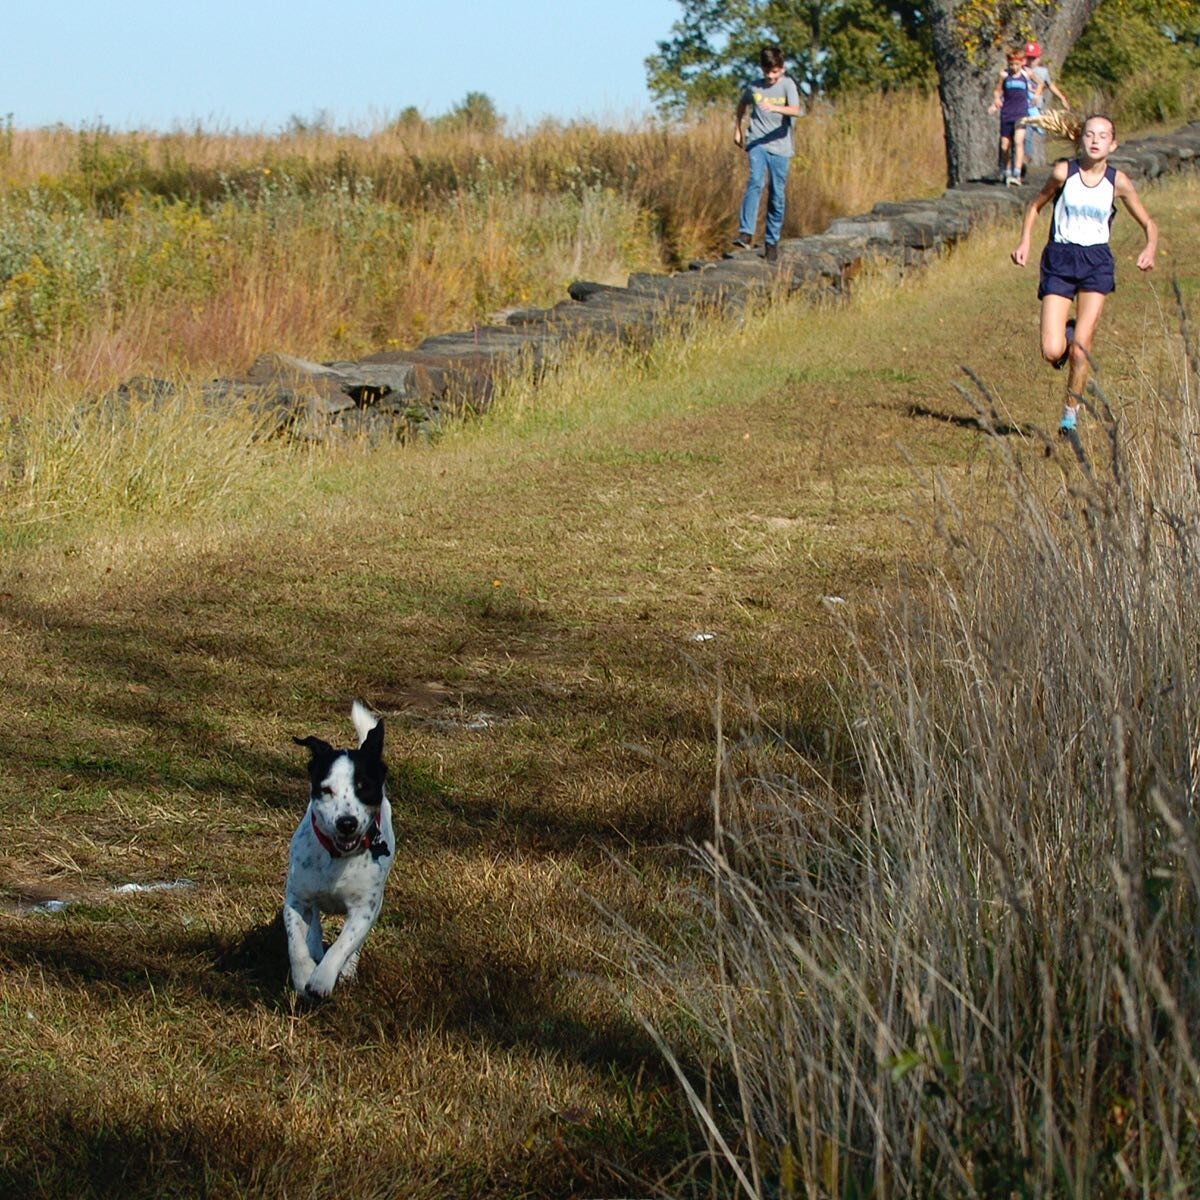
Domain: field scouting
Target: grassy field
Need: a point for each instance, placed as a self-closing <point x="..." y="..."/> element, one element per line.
<point x="192" y="253"/>
<point x="545" y="607"/>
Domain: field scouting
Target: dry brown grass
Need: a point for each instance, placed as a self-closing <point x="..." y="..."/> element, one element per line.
<point x="548" y="568"/>
<point x="971" y="971"/>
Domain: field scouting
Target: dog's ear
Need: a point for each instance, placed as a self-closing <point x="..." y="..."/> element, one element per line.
<point x="373" y="742"/>
<point x="316" y="747"/>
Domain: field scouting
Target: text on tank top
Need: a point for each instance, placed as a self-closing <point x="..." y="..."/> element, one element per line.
<point x="1084" y="215"/>
<point x="1016" y="95"/>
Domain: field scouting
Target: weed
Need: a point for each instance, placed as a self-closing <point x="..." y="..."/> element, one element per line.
<point x="976" y="976"/>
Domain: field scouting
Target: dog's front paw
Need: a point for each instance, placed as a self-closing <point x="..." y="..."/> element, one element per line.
<point x="320" y="985"/>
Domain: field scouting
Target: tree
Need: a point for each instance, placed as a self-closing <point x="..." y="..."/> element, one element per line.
<point x="833" y="47"/>
<point x="1145" y="54"/>
<point x="968" y="41"/>
<point x="1131" y="37"/>
<point x="475" y="112"/>
<point x="847" y="45"/>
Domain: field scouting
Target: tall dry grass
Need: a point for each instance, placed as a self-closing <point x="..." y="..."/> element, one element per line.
<point x="172" y="284"/>
<point x="961" y="960"/>
<point x="187" y="255"/>
<point x="197" y="250"/>
<point x="687" y="177"/>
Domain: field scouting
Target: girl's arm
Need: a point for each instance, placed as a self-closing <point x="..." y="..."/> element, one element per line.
<point x="1058" y="176"/>
<point x="998" y="94"/>
<point x="1137" y="210"/>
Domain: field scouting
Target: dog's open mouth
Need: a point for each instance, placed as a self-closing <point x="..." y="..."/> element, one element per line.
<point x="346" y="845"/>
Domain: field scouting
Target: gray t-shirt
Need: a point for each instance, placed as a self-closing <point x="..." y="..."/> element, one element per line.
<point x="768" y="129"/>
<point x="1042" y="75"/>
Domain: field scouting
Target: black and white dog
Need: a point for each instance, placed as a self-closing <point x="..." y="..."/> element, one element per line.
<point x="341" y="853"/>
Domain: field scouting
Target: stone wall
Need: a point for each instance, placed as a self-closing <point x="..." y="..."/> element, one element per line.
<point x="410" y="393"/>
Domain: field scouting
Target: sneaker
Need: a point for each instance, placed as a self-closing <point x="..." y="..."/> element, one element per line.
<point x="742" y="242"/>
<point x="771" y="252"/>
<point x="1012" y="180"/>
<point x="1061" y="360"/>
<point x="1066" y="426"/>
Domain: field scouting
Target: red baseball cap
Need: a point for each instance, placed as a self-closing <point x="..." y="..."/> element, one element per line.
<point x="1033" y="50"/>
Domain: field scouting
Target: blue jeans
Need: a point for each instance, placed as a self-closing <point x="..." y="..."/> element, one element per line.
<point x="1034" y="143"/>
<point x="762" y="164"/>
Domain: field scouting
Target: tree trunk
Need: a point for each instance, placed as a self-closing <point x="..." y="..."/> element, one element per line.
<point x="968" y="52"/>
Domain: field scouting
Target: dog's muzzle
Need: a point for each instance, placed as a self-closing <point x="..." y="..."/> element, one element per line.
<point x="372" y="840"/>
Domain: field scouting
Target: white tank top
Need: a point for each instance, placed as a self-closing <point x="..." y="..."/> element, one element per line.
<point x="1084" y="215"/>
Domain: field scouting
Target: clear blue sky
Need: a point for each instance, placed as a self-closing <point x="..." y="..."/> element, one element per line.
<point x="253" y="64"/>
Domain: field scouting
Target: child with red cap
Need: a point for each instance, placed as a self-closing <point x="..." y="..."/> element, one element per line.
<point x="1035" y="138"/>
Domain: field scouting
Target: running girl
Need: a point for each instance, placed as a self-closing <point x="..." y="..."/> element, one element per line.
<point x="1077" y="263"/>
<point x="1016" y="94"/>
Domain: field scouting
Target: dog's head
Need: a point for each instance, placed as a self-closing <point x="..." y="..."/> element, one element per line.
<point x="346" y="788"/>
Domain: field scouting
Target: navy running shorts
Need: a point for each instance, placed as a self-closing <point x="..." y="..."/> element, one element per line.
<point x="1067" y="269"/>
<point x="1008" y="128"/>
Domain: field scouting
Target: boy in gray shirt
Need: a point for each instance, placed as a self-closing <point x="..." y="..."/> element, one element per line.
<point x="1035" y="138"/>
<point x="773" y="103"/>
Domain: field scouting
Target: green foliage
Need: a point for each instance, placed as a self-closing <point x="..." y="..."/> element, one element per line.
<point x="476" y="112"/>
<point x="67" y="266"/>
<point x="109" y="166"/>
<point x="873" y="46"/>
<point x="833" y="47"/>
<point x="408" y="121"/>
<point x="1125" y="37"/>
<point x="1142" y="57"/>
<point x="63" y="266"/>
<point x="53" y="266"/>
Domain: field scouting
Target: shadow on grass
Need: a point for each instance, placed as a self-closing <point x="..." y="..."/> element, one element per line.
<point x="153" y="700"/>
<point x="998" y="427"/>
<point x="149" y="703"/>
<point x="74" y="1145"/>
<point x="450" y="981"/>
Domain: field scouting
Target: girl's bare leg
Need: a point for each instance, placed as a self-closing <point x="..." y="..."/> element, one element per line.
<point x="1055" y="311"/>
<point x="1088" y="308"/>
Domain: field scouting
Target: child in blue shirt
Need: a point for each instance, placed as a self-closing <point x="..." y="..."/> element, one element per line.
<point x="1016" y="93"/>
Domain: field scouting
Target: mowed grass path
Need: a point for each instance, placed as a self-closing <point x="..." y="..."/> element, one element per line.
<point x="542" y="607"/>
